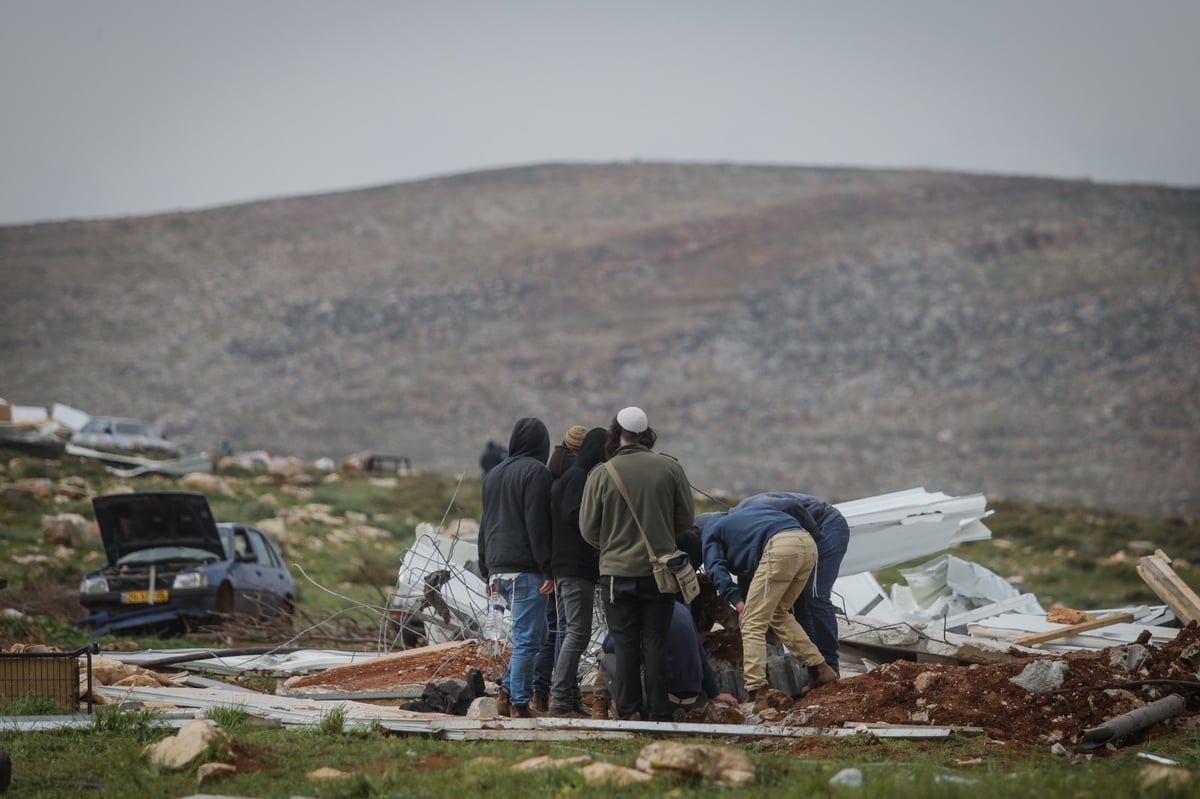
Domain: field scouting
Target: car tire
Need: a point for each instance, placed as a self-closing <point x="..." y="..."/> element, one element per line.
<point x="287" y="615"/>
<point x="225" y="599"/>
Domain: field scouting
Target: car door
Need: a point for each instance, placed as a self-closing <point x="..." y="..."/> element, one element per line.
<point x="273" y="579"/>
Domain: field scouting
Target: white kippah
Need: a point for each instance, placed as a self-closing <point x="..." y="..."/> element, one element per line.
<point x="633" y="419"/>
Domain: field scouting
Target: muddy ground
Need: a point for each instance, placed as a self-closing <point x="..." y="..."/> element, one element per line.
<point x="1097" y="686"/>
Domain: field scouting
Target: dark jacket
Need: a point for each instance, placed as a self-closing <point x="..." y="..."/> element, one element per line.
<point x="572" y="556"/>
<point x="561" y="459"/>
<point x="734" y="543"/>
<point x="514" y="533"/>
<point x="823" y="521"/>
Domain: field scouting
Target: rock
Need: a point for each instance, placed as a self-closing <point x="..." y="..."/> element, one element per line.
<point x="923" y="681"/>
<point x="847" y="778"/>
<point x="484" y="707"/>
<point x="73" y="488"/>
<point x="41" y="487"/>
<point x="721" y="764"/>
<point x="1169" y="776"/>
<point x="205" y="483"/>
<point x="269" y="501"/>
<point x="327" y="773"/>
<point x="181" y="750"/>
<point x="595" y="773"/>
<point x="1059" y="749"/>
<point x="274" y="527"/>
<point x="211" y="772"/>
<point x="1042" y="676"/>
<point x="69" y="529"/>
<point x="919" y="717"/>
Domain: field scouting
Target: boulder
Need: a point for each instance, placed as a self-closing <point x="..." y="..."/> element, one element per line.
<point x="722" y="764"/>
<point x="205" y="483"/>
<point x="69" y="529"/>
<point x="187" y="746"/>
<point x="1042" y="676"/>
<point x="595" y="773"/>
<point x="41" y="487"/>
<point x="73" y="488"/>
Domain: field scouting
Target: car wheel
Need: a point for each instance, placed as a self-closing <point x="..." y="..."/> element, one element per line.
<point x="287" y="615"/>
<point x="225" y="599"/>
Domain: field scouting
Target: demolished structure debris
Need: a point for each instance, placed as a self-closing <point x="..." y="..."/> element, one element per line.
<point x="957" y="649"/>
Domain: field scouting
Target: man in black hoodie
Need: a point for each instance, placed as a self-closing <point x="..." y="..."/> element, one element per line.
<point x="514" y="552"/>
<point x="576" y="569"/>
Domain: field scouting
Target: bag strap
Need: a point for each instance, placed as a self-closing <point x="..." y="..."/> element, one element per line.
<point x="616" y="476"/>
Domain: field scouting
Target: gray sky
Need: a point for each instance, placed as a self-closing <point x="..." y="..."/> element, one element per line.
<point x="118" y="107"/>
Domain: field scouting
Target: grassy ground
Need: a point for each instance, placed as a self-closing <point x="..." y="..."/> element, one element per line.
<point x="108" y="762"/>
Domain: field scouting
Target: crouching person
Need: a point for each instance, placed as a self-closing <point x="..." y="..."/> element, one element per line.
<point x="769" y="547"/>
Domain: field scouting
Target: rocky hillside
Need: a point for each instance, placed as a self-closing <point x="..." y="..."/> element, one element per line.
<point x="842" y="332"/>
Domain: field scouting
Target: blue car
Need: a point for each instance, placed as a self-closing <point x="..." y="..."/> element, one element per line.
<point x="172" y="568"/>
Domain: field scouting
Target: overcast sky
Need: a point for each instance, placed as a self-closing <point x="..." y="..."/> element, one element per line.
<point x="119" y="107"/>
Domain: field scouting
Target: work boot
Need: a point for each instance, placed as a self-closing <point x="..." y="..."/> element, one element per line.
<point x="503" y="705"/>
<point x="520" y="711"/>
<point x="565" y="712"/>
<point x="540" y="703"/>
<point x="821" y="674"/>
<point x="599" y="707"/>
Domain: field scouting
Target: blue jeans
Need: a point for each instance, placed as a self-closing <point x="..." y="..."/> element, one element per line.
<point x="547" y="654"/>
<point x="814" y="608"/>
<point x="575" y="595"/>
<point x="528" y="631"/>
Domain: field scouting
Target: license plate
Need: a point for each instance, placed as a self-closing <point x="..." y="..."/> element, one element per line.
<point x="143" y="597"/>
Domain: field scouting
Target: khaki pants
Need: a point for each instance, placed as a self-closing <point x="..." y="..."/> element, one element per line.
<point x="786" y="562"/>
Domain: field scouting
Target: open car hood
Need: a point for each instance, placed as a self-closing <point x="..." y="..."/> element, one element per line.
<point x="130" y="522"/>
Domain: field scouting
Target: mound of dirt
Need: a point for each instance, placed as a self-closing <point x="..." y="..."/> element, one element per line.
<point x="1096" y="686"/>
<point x="449" y="661"/>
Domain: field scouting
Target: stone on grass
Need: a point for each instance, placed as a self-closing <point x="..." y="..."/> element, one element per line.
<point x="327" y="773"/>
<point x="211" y="772"/>
<point x="722" y="764"/>
<point x="595" y="773"/>
<point x="188" y="745"/>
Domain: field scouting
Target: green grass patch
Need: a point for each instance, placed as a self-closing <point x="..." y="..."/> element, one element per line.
<point x="274" y="763"/>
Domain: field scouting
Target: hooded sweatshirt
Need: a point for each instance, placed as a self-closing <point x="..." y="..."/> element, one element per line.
<point x="574" y="557"/>
<point x="514" y="533"/>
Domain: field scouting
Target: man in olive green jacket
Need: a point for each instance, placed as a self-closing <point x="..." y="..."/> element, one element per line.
<point x="638" y="615"/>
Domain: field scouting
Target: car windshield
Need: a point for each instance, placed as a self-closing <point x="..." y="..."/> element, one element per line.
<point x="161" y="554"/>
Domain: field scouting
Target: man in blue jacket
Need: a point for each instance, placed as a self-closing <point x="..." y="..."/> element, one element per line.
<point x="771" y="546"/>
<point x="514" y="552"/>
<point x="829" y="529"/>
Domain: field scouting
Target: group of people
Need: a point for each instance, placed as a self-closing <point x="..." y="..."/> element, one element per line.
<point x="591" y="514"/>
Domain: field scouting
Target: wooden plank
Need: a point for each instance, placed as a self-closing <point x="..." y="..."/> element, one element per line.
<point x="1155" y="570"/>
<point x="1071" y="629"/>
